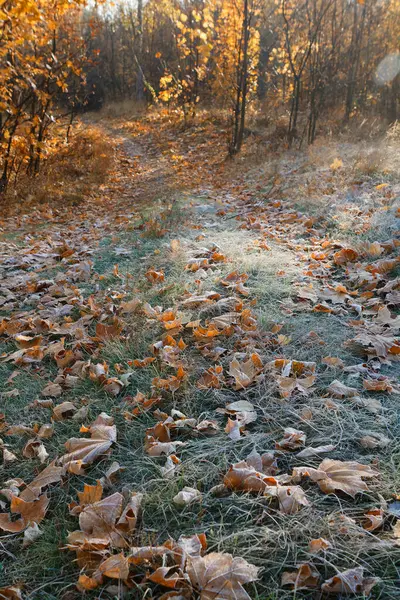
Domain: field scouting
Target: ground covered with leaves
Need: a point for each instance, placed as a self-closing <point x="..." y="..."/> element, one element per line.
<point x="199" y="369"/>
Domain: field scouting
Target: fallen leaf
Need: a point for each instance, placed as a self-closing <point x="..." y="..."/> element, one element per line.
<point x="333" y="361"/>
<point x="351" y="581"/>
<point x="186" y="496"/>
<point x="310" y="451"/>
<point x="335" y="475"/>
<point x="245" y="373"/>
<point x="306" y="577"/>
<point x="31" y="512"/>
<point x="293" y="439"/>
<point x="373" y="519"/>
<point x="219" y="573"/>
<point x="318" y="544"/>
<point x="31" y="534"/>
<point x="340" y="390"/>
<point x="35" y="448"/>
<point x="52" y="389"/>
<point x="65" y="410"/>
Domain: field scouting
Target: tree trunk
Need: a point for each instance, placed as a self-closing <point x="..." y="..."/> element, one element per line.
<point x="139" y="54"/>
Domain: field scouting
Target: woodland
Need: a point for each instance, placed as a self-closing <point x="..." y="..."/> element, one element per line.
<point x="199" y="299"/>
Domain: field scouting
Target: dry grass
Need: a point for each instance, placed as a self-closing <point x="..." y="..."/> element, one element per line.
<point x="72" y="174"/>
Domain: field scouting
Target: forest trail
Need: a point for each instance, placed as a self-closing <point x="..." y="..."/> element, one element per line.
<point x="209" y="360"/>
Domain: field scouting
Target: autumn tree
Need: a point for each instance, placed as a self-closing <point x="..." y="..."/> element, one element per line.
<point x="41" y="49"/>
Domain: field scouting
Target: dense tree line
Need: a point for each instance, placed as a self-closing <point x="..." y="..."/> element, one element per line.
<point x="307" y="57"/>
<point x="300" y="58"/>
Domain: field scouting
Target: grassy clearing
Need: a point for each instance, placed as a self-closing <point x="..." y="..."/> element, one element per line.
<point x="243" y="524"/>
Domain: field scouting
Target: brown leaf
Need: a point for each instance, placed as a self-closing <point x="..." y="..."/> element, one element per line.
<point x="374" y="440"/>
<point x="318" y="544"/>
<point x="167" y="576"/>
<point x="35" y="448"/>
<point x="373" y="519"/>
<point x="52" y="389"/>
<point x="14" y="592"/>
<point x="306" y="577"/>
<point x="232" y="428"/>
<point x="106" y="332"/>
<point x="340" y="390"/>
<point x="154" y="276"/>
<point x="186" y="496"/>
<point x="335" y="475"/>
<point x="290" y="497"/>
<point x="83" y="451"/>
<point x="114" y="567"/>
<point x="333" y="361"/>
<point x="243" y="476"/>
<point x="310" y="451"/>
<point x="293" y="439"/>
<point x="351" y="581"/>
<point x="98" y="521"/>
<point x="46" y="431"/>
<point x="31" y="512"/>
<point x="65" y="410"/>
<point x="245" y="372"/>
<point x="51" y="474"/>
<point x="378" y="385"/>
<point x="344" y="256"/>
<point x="218" y="573"/>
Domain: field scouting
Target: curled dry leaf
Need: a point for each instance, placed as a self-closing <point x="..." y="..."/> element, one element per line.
<point x="53" y="390"/>
<point x="310" y="451"/>
<point x="211" y="378"/>
<point x="335" y="475"/>
<point x="220" y="575"/>
<point x="333" y="361"/>
<point x="187" y="496"/>
<point x="83" y="451"/>
<point x="65" y="410"/>
<point x="351" y="581"/>
<point x="306" y="577"/>
<point x="46" y="431"/>
<point x="246" y="477"/>
<point x="318" y="544"/>
<point x="168" y="577"/>
<point x="374" y="440"/>
<point x="288" y="385"/>
<point x="246" y="372"/>
<point x="12" y="592"/>
<point x="207" y="427"/>
<point x="232" y="428"/>
<point x="51" y="474"/>
<point x="344" y="256"/>
<point x="373" y="519"/>
<point x="154" y="276"/>
<point x="31" y="512"/>
<point x="378" y="385"/>
<point x="35" y="448"/>
<point x="340" y="390"/>
<point x="104" y="522"/>
<point x="156" y="448"/>
<point x="8" y="456"/>
<point x="168" y="470"/>
<point x="291" y="498"/>
<point x="31" y="534"/>
<point x="293" y="439"/>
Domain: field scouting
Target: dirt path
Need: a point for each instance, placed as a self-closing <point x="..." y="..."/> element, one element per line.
<point x="158" y="308"/>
